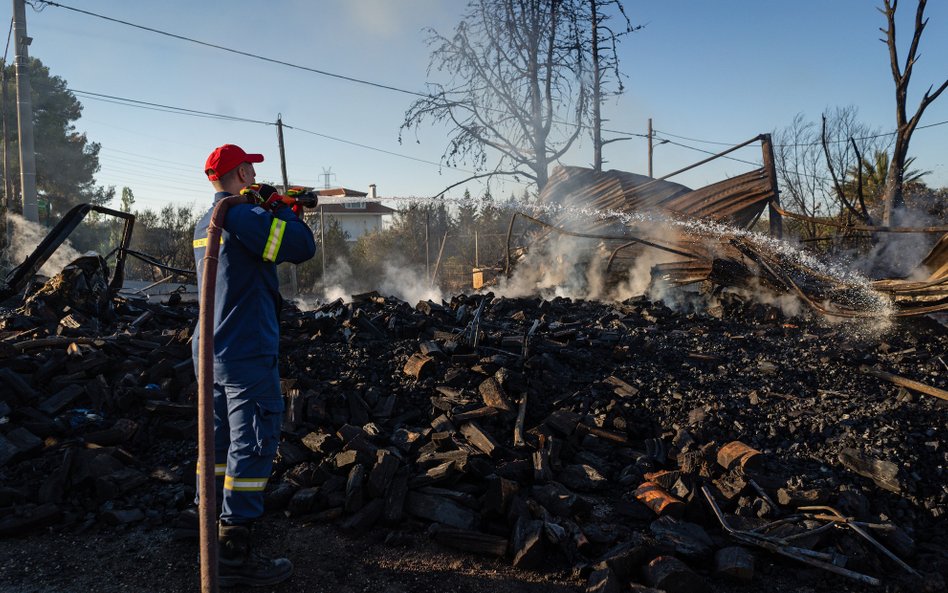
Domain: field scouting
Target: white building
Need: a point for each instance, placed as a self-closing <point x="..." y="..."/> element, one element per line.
<point x="358" y="213"/>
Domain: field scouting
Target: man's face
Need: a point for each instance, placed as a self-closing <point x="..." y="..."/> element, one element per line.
<point x="247" y="174"/>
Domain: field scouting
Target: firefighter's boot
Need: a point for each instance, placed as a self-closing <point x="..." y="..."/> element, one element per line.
<point x="240" y="565"/>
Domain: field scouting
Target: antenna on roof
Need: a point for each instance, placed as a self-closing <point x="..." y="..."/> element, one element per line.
<point x="326" y="175"/>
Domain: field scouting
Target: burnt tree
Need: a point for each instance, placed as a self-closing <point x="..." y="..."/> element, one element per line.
<point x="893" y="197"/>
<point x="515" y="88"/>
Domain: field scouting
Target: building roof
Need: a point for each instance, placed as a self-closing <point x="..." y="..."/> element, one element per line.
<point x="370" y="208"/>
<point x="340" y="192"/>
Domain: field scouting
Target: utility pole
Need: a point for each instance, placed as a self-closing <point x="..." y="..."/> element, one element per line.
<point x="649" y="147"/>
<point x="476" y="264"/>
<point x="322" y="240"/>
<point x="24" y="112"/>
<point x="427" y="250"/>
<point x="294" y="284"/>
<point x="286" y="184"/>
<point x="7" y="204"/>
<point x="7" y="183"/>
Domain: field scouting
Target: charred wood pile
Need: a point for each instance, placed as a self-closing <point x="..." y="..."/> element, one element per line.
<point x="635" y="445"/>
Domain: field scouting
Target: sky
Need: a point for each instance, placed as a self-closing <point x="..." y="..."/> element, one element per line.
<point x="705" y="72"/>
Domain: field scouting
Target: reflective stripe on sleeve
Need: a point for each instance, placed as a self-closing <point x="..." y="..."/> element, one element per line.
<point x="244" y="484"/>
<point x="203" y="242"/>
<point x="272" y="246"/>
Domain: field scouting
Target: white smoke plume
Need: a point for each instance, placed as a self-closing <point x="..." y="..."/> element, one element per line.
<point x="27" y="236"/>
<point x="897" y="254"/>
<point x="408" y="284"/>
<point x="399" y="280"/>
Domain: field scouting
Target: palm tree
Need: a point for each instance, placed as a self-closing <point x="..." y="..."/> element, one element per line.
<point x="875" y="172"/>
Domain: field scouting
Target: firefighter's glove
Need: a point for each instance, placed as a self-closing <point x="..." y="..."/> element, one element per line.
<point x="266" y="195"/>
<point x="302" y="197"/>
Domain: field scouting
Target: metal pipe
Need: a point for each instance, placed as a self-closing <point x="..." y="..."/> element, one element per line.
<point x="804" y="555"/>
<point x="207" y="493"/>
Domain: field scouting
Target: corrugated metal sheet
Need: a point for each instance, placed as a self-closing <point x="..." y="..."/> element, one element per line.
<point x="591" y="203"/>
<point x="738" y="200"/>
<point x="587" y="199"/>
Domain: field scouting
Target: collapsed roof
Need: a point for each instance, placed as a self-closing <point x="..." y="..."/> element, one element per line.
<point x="705" y="236"/>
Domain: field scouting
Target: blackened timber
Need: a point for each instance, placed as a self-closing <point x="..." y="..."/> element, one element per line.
<point x="521" y="416"/>
<point x="493" y="395"/>
<point x="386" y="464"/>
<point x="479" y="438"/>
<point x="476" y="413"/>
<point x="439" y="509"/>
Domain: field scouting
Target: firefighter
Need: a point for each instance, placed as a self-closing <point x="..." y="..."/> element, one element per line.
<point x="248" y="404"/>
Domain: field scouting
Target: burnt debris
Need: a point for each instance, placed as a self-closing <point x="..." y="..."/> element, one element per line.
<point x="628" y="442"/>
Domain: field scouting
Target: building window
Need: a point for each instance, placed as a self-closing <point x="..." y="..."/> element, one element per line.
<point x="355" y="205"/>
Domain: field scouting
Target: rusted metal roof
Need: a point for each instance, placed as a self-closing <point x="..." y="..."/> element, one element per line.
<point x="592" y="204"/>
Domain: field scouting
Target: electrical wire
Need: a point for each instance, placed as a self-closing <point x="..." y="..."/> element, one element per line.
<point x="196" y="113"/>
<point x="672" y="142"/>
<point x="234" y="51"/>
<point x="45" y="3"/>
<point x="799" y="145"/>
<point x="366" y="146"/>
<point x="146" y="156"/>
<point x="165" y="108"/>
<point x="353" y="79"/>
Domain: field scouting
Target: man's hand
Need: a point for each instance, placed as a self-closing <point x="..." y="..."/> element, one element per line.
<point x="266" y="195"/>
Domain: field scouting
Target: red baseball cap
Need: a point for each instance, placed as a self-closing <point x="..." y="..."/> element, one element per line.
<point x="225" y="158"/>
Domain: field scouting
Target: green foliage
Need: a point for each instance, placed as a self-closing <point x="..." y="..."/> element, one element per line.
<point x="66" y="161"/>
<point x="333" y="243"/>
<point x="473" y="231"/>
<point x="128" y="199"/>
<point x="875" y="172"/>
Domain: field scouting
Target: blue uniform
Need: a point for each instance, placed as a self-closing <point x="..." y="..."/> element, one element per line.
<point x="248" y="404"/>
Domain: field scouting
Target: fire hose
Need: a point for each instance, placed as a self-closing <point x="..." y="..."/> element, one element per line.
<point x="206" y="484"/>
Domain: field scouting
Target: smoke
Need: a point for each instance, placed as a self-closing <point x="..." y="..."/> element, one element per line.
<point x="896" y="255"/>
<point x="27" y="235"/>
<point x="566" y="267"/>
<point x="578" y="267"/>
<point x="409" y="284"/>
<point x="397" y="279"/>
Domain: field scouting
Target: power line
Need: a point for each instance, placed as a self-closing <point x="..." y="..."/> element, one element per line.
<point x="148" y="105"/>
<point x="235" y="51"/>
<point x="711" y="153"/>
<point x="146" y="156"/>
<point x="394" y="88"/>
<point x="164" y="108"/>
<point x="800" y="145"/>
<point x="404" y="156"/>
<point x="185" y="111"/>
<point x="297" y="66"/>
<point x="149" y="166"/>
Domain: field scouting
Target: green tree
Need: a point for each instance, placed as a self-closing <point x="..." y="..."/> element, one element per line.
<point x="66" y="161"/>
<point x="875" y="172"/>
<point x="128" y="199"/>
<point x="165" y="235"/>
<point x="465" y="228"/>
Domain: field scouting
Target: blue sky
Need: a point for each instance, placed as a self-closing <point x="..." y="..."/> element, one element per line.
<point x="716" y="71"/>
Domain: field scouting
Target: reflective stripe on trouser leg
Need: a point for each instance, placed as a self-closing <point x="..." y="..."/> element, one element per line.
<point x="254" y="415"/>
<point x="221" y="444"/>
